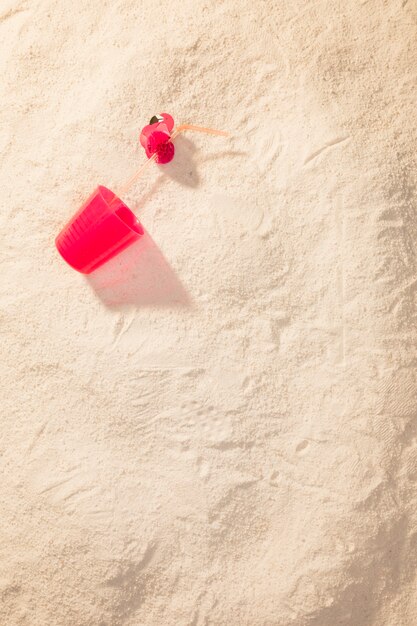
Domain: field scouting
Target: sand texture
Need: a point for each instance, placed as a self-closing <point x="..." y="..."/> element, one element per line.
<point x="218" y="428"/>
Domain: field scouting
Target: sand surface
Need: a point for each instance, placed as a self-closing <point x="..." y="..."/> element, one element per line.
<point x="218" y="428"/>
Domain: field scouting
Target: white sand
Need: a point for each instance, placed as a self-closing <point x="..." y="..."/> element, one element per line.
<point x="226" y="437"/>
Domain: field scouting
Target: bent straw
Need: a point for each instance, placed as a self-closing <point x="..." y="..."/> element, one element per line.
<point x="128" y="184"/>
<point x="200" y="129"/>
<point x="180" y="129"/>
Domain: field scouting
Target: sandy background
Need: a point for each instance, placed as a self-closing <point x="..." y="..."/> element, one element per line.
<point x="219" y="428"/>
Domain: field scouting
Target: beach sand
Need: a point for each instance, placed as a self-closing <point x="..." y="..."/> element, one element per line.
<point x="217" y="428"/>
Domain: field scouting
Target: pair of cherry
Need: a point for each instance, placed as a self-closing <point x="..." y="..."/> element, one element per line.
<point x="104" y="225"/>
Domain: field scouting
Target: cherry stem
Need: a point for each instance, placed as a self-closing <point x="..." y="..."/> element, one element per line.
<point x="180" y="129"/>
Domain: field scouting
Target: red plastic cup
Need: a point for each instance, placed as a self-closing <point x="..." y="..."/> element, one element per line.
<point x="103" y="227"/>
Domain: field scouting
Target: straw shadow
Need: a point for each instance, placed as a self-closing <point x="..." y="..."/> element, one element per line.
<point x="225" y="153"/>
<point x="140" y="276"/>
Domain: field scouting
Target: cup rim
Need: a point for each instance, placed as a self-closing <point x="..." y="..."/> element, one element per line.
<point x="108" y="197"/>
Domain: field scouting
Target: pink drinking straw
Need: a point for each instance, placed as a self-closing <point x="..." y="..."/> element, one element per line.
<point x="104" y="225"/>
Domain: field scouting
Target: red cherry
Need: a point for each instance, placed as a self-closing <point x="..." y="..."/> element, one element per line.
<point x="155" y="138"/>
<point x="165" y="152"/>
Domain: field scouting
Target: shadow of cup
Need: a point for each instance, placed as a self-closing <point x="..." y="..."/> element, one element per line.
<point x="140" y="276"/>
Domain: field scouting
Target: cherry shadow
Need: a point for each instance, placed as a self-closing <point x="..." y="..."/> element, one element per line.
<point x="183" y="167"/>
<point x="139" y="276"/>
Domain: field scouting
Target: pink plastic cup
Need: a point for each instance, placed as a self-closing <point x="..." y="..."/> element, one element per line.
<point x="103" y="227"/>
